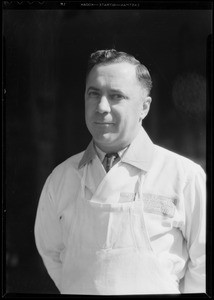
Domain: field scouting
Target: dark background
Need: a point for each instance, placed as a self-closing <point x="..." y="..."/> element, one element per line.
<point x="45" y="55"/>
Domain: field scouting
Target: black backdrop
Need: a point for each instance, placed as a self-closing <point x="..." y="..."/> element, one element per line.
<point x="45" y="55"/>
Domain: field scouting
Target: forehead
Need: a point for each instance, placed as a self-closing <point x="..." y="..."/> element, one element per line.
<point x="118" y="73"/>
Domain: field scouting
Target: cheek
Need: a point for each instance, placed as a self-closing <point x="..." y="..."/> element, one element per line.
<point x="136" y="111"/>
<point x="89" y="109"/>
<point x="121" y="113"/>
<point x="131" y="114"/>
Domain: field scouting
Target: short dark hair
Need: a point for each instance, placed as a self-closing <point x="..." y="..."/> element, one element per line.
<point x="105" y="57"/>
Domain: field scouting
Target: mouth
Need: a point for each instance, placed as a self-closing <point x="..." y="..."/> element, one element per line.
<point x="104" y="123"/>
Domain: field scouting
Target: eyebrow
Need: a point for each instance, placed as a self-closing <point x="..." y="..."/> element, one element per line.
<point x="117" y="91"/>
<point x="112" y="90"/>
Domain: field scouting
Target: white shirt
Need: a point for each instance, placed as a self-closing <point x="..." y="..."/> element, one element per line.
<point x="174" y="197"/>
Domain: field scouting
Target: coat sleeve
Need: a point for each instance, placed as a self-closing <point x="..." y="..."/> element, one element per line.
<point x="195" y="233"/>
<point x="48" y="236"/>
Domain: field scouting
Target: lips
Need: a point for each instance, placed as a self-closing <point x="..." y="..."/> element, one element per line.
<point x="103" y="123"/>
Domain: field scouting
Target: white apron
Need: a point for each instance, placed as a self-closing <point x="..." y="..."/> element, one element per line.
<point x="110" y="248"/>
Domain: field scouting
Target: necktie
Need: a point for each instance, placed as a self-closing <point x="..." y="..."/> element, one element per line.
<point x="109" y="160"/>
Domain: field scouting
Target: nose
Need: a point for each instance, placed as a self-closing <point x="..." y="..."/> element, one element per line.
<point x="103" y="105"/>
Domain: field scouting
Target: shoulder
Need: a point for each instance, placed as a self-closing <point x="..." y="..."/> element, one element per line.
<point x="68" y="168"/>
<point x="185" y="166"/>
<point x="70" y="163"/>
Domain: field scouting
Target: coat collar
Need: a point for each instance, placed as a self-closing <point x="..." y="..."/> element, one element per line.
<point x="88" y="155"/>
<point x="139" y="153"/>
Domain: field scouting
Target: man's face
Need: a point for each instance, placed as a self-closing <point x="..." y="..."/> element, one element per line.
<point x="115" y="104"/>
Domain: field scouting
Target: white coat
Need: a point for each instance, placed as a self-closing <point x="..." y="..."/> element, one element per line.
<point x="139" y="229"/>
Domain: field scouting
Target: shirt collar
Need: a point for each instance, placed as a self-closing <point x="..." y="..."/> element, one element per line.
<point x="139" y="153"/>
<point x="91" y="151"/>
<point x="102" y="154"/>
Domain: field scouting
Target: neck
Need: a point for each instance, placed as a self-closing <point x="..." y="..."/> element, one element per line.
<point x="110" y="149"/>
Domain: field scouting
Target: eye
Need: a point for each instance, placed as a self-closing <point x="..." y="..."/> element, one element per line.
<point x="117" y="96"/>
<point x="93" y="94"/>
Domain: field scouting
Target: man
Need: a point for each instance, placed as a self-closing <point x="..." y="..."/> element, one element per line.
<point x="131" y="221"/>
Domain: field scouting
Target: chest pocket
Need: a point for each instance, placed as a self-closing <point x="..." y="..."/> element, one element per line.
<point x="160" y="205"/>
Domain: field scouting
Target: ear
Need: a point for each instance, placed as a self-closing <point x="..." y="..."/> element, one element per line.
<point x="145" y="107"/>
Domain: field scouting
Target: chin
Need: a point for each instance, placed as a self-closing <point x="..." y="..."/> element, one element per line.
<point x="104" y="139"/>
